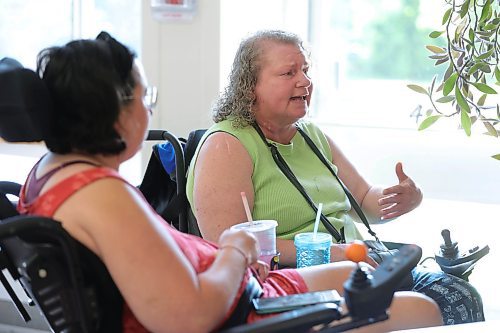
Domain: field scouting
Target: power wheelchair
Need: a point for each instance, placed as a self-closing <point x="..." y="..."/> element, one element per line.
<point x="71" y="287"/>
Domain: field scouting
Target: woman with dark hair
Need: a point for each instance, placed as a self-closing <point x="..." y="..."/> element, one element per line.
<point x="168" y="281"/>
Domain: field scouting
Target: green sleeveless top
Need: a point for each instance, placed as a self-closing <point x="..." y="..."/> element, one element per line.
<point x="275" y="196"/>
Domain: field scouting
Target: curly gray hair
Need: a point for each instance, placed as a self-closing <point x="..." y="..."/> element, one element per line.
<point x="238" y="96"/>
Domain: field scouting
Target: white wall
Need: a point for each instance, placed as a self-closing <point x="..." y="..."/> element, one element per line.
<point x="182" y="60"/>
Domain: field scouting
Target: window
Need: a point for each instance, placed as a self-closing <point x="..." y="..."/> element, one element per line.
<point x="29" y="26"/>
<point x="364" y="53"/>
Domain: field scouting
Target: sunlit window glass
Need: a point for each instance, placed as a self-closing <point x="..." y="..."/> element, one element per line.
<point x="28" y="26"/>
<point x="367" y="51"/>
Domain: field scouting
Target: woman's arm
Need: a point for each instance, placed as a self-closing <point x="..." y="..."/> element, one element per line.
<point x="365" y="194"/>
<point x="377" y="203"/>
<point x="223" y="170"/>
<point x="153" y="275"/>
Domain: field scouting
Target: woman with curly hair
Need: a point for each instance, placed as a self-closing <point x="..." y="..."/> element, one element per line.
<point x="259" y="116"/>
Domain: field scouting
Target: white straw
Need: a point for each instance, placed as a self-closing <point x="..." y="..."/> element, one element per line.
<point x="245" y="204"/>
<point x="316" y="222"/>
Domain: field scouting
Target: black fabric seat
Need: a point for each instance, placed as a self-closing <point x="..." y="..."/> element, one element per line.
<point x="69" y="284"/>
<point x="165" y="191"/>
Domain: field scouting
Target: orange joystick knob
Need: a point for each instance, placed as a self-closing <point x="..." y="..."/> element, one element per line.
<point x="356" y="251"/>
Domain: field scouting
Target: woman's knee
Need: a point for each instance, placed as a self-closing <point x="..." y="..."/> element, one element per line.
<point x="417" y="308"/>
<point x="328" y="276"/>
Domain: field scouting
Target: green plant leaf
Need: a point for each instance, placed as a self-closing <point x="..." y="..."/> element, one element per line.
<point x="491" y="130"/>
<point x="465" y="122"/>
<point x="428" y="122"/>
<point x="435" y="49"/>
<point x="449" y="84"/>
<point x="446" y="15"/>
<point x="474" y="68"/>
<point x="464" y="9"/>
<point x="435" y="34"/>
<point x="471" y="36"/>
<point x="439" y="56"/>
<point x="481" y="100"/>
<point x="497" y="74"/>
<point x="448" y="73"/>
<point x="418" y="89"/>
<point x="490" y="26"/>
<point x="486" y="54"/>
<point x="484" y="67"/>
<point x="485" y="34"/>
<point x="441" y="61"/>
<point x="463" y="24"/>
<point x="446" y="99"/>
<point x="496" y="157"/>
<point x="485" y="12"/>
<point x="484" y="88"/>
<point x="440" y="87"/>
<point x="462" y="103"/>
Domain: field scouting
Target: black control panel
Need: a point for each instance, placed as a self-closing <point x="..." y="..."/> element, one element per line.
<point x="369" y="294"/>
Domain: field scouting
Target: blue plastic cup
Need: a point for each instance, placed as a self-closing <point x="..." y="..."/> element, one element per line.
<point x="312" y="250"/>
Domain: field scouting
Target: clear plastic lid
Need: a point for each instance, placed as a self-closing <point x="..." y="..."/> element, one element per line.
<point x="256" y="226"/>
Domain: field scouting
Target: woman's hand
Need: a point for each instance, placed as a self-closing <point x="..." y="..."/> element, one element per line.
<point x="399" y="199"/>
<point x="243" y="241"/>
<point x="261" y="268"/>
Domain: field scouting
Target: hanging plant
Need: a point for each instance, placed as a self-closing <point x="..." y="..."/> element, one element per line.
<point x="470" y="59"/>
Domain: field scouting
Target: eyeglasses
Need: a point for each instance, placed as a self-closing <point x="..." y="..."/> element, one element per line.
<point x="150" y="97"/>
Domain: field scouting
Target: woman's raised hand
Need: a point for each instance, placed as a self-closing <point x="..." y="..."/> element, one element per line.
<point x="400" y="199"/>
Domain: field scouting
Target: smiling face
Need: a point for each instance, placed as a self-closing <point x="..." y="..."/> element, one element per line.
<point x="283" y="87"/>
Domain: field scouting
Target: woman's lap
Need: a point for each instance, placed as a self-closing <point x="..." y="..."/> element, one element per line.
<point x="458" y="300"/>
<point x="284" y="282"/>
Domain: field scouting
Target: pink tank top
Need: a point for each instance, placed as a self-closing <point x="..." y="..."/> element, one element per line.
<point x="199" y="252"/>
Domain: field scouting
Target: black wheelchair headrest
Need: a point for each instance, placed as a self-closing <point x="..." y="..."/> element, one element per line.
<point x="25" y="105"/>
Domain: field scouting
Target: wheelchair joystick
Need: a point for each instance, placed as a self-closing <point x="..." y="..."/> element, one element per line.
<point x="454" y="262"/>
<point x="449" y="249"/>
<point x="360" y="278"/>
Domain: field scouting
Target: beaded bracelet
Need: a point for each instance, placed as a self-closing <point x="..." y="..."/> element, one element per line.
<point x="237" y="250"/>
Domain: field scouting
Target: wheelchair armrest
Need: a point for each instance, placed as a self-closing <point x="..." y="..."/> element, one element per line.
<point x="8" y="187"/>
<point x="300" y="320"/>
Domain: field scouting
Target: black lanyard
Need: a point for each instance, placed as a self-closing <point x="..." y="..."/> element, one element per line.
<point x="283" y="166"/>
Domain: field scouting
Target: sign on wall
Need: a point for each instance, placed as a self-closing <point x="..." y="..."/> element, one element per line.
<point x="173" y="10"/>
